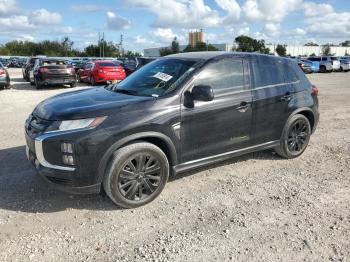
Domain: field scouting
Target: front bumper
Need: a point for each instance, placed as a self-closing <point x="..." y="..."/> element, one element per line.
<point x="76" y="180"/>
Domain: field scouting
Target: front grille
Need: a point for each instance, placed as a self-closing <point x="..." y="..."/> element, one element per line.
<point x="36" y="125"/>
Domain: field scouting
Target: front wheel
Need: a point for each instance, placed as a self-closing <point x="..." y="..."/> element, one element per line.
<point x="295" y="137"/>
<point x="136" y="175"/>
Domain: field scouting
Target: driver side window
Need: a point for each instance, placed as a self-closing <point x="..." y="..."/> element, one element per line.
<point x="223" y="76"/>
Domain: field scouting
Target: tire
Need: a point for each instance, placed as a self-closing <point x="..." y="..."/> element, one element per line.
<point x="36" y="84"/>
<point x="73" y="84"/>
<point x="92" y="80"/>
<point x="323" y="69"/>
<point x="296" y="135"/>
<point x="135" y="188"/>
<point x="341" y="69"/>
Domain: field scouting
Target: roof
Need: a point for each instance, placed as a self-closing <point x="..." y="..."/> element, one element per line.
<point x="212" y="54"/>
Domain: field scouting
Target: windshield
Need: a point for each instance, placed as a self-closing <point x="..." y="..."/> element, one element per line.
<point x="157" y="78"/>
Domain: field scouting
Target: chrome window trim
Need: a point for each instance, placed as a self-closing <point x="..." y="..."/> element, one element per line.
<point x="40" y="154"/>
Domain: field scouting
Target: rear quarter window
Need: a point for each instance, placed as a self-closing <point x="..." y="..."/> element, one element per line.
<point x="267" y="71"/>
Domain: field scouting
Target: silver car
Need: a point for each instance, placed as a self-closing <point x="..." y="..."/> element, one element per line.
<point x="326" y="65"/>
<point x="344" y="65"/>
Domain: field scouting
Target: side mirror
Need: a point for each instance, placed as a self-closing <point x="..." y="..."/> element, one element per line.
<point x="199" y="93"/>
<point x="202" y="93"/>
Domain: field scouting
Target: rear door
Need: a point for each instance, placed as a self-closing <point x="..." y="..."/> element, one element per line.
<point x="221" y="125"/>
<point x="271" y="97"/>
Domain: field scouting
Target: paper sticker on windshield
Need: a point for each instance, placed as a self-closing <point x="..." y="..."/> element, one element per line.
<point x="163" y="76"/>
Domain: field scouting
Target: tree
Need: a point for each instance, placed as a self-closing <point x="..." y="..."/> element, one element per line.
<point x="248" y="44"/>
<point x="200" y="46"/>
<point x="174" y="48"/>
<point x="313" y="54"/>
<point x="326" y="50"/>
<point x="311" y="44"/>
<point x="345" y="43"/>
<point x="281" y="50"/>
<point x="67" y="44"/>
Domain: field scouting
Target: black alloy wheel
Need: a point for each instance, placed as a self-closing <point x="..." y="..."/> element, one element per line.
<point x="140" y="177"/>
<point x="136" y="174"/>
<point x="298" y="136"/>
<point x="295" y="137"/>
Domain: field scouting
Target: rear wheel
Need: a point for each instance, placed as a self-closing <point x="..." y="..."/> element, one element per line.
<point x="323" y="69"/>
<point x="295" y="137"/>
<point x="136" y="175"/>
<point x="36" y="84"/>
<point x="92" y="80"/>
<point x="73" y="84"/>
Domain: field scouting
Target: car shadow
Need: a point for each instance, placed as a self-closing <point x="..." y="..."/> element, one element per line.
<point x="21" y="189"/>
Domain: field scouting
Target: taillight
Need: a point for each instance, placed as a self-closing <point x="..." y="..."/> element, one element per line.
<point x="42" y="69"/>
<point x="315" y="90"/>
<point x="2" y="71"/>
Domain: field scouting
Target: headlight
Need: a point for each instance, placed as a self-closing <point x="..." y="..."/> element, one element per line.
<point x="81" y="123"/>
<point x="76" y="124"/>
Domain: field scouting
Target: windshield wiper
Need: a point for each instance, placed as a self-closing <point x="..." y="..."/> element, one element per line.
<point x="125" y="91"/>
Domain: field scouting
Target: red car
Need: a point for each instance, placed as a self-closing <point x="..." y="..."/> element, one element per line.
<point x="99" y="71"/>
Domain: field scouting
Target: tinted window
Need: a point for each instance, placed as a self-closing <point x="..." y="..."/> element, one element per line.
<point x="267" y="71"/>
<point x="333" y="58"/>
<point x="289" y="72"/>
<point x="223" y="75"/>
<point x="324" y="58"/>
<point x="53" y="62"/>
<point x="108" y="64"/>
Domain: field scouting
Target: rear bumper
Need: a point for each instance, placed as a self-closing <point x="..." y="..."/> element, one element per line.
<point x="105" y="78"/>
<point x="57" y="81"/>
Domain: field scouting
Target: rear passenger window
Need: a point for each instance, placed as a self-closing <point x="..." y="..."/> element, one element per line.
<point x="223" y="76"/>
<point x="267" y="71"/>
<point x="289" y="72"/>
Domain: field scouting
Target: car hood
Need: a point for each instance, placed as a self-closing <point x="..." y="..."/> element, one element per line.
<point x="86" y="103"/>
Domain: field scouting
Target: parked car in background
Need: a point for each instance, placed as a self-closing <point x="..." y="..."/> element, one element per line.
<point x="315" y="66"/>
<point x="305" y="65"/>
<point x="132" y="64"/>
<point x="335" y="62"/>
<point x="177" y="113"/>
<point x="77" y="64"/>
<point x="101" y="71"/>
<point x="326" y="65"/>
<point x="28" y="66"/>
<point x="53" y="71"/>
<point x="4" y="77"/>
<point x="344" y="65"/>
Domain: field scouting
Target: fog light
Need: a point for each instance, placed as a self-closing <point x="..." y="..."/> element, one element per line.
<point x="68" y="160"/>
<point x="67" y="148"/>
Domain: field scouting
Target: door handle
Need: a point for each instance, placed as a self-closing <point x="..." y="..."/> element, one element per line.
<point x="286" y="97"/>
<point x="243" y="106"/>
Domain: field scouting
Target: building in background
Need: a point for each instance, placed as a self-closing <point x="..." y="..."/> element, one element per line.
<point x="196" y="37"/>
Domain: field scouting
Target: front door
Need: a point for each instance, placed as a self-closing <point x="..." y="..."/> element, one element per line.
<point x="221" y="125"/>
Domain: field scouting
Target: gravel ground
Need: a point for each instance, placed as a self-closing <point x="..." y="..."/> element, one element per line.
<point x="258" y="207"/>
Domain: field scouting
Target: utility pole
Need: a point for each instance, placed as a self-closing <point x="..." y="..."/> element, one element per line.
<point x="121" y="44"/>
<point x="103" y="44"/>
<point x="99" y="42"/>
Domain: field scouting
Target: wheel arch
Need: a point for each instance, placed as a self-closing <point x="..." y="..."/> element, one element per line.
<point x="158" y="139"/>
<point x="307" y="112"/>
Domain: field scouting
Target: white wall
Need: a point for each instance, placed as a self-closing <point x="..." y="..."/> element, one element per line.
<point x="295" y="50"/>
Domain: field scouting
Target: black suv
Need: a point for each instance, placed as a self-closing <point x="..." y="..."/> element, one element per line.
<point x="174" y="114"/>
